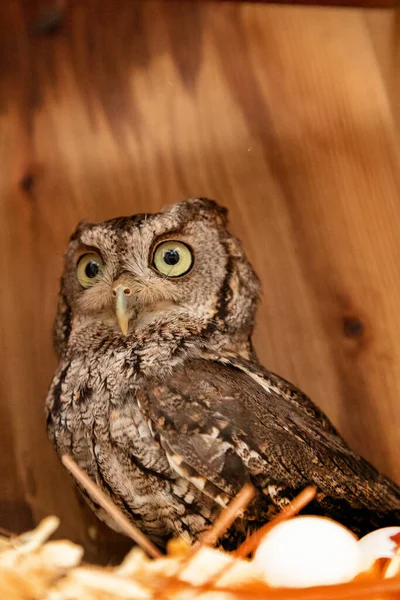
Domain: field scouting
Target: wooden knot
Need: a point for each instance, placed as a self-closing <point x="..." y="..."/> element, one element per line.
<point x="26" y="182"/>
<point x="48" y="21"/>
<point x="353" y="327"/>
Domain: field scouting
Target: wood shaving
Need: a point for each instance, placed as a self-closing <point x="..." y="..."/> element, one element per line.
<point x="32" y="568"/>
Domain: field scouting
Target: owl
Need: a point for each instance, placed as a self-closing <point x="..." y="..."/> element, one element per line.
<point x="159" y="395"/>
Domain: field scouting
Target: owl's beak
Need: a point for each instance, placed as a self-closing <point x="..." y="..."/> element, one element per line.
<point x="122" y="293"/>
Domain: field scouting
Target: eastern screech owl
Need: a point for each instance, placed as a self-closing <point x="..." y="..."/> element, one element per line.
<point x="160" y="398"/>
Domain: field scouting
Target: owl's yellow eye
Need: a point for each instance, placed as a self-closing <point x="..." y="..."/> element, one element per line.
<point x="173" y="259"/>
<point x="89" y="270"/>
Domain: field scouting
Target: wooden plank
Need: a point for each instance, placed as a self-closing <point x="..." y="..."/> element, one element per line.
<point x="377" y="4"/>
<point x="384" y="29"/>
<point x="282" y="114"/>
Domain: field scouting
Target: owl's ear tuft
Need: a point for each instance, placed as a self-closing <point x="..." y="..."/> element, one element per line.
<point x="78" y="230"/>
<point x="209" y="209"/>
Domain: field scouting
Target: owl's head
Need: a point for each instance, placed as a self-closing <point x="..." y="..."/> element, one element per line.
<point x="178" y="271"/>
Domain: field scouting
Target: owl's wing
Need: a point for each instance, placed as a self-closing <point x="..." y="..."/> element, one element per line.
<point x="275" y="384"/>
<point x="221" y="427"/>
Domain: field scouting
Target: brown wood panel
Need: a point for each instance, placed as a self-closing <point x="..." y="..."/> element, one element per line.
<point x="384" y="28"/>
<point x="282" y="114"/>
<point x="380" y="4"/>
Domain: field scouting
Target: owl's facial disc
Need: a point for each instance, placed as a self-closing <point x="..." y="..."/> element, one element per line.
<point x="170" y="259"/>
<point x="167" y="275"/>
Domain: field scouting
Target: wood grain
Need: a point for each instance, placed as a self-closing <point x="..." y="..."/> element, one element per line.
<point x="347" y="3"/>
<point x="285" y="115"/>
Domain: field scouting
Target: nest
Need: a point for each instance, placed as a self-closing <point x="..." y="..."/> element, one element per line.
<point x="34" y="568"/>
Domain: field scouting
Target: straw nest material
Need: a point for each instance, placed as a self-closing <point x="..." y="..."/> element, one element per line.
<point x="34" y="568"/>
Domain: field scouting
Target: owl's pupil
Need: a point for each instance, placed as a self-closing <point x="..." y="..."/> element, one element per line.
<point x="171" y="257"/>
<point x="92" y="269"/>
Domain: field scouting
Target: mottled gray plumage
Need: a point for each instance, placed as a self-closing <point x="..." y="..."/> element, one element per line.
<point x="174" y="417"/>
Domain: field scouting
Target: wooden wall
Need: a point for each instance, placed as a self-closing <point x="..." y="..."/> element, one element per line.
<point x="287" y="115"/>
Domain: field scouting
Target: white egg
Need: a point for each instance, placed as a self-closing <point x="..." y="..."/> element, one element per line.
<point x="377" y="544"/>
<point x="307" y="551"/>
